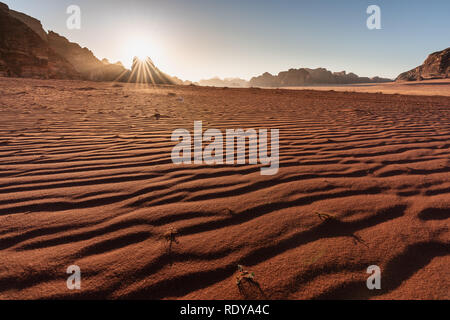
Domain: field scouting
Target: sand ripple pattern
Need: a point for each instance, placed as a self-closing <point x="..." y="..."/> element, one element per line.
<point x="86" y="179"/>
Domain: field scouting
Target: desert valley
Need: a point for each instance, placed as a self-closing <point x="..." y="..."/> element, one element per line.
<point x="87" y="179"/>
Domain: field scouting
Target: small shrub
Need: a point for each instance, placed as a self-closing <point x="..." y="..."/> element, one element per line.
<point x="244" y="274"/>
<point x="325" y="216"/>
<point x="171" y="237"/>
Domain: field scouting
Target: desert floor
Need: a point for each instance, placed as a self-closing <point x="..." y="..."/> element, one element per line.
<point x="86" y="179"/>
<point x="429" y="87"/>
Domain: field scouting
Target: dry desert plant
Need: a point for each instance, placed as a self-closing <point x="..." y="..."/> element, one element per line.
<point x="171" y="237"/>
<point x="325" y="216"/>
<point x="244" y="274"/>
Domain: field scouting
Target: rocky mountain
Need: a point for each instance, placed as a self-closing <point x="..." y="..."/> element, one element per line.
<point x="146" y="72"/>
<point x="227" y="82"/>
<point x="436" y="66"/>
<point x="305" y="76"/>
<point x="27" y="50"/>
<point x="292" y="78"/>
<point x="84" y="61"/>
<point x="31" y="22"/>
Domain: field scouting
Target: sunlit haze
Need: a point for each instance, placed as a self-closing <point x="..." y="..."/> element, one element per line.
<point x="204" y="38"/>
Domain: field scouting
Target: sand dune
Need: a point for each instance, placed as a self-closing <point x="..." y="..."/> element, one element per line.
<point x="86" y="178"/>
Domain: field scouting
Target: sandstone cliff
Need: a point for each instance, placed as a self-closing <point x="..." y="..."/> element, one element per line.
<point x="227" y="82"/>
<point x="27" y="50"/>
<point x="85" y="62"/>
<point x="305" y="76"/>
<point x="24" y="51"/>
<point x="436" y="66"/>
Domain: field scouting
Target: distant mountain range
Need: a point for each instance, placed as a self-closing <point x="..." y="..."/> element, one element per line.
<point x="294" y="78"/>
<point x="227" y="82"/>
<point x="27" y="50"/>
<point x="436" y="66"/>
<point x="305" y="76"/>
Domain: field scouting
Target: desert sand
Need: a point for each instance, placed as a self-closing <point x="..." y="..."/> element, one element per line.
<point x="437" y="87"/>
<point x="86" y="179"/>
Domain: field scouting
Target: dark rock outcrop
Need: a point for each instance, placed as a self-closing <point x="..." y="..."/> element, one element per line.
<point x="32" y="23"/>
<point x="436" y="66"/>
<point x="305" y="76"/>
<point x="24" y="53"/>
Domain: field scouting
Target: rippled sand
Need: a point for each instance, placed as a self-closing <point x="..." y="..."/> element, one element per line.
<point x="86" y="178"/>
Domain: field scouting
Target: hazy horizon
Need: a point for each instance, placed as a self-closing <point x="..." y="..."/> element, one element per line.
<point x="206" y="39"/>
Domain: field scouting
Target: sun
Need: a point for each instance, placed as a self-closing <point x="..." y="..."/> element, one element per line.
<point x="141" y="51"/>
<point x="141" y="48"/>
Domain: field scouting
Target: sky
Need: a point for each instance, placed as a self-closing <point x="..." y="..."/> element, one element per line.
<point x="200" y="39"/>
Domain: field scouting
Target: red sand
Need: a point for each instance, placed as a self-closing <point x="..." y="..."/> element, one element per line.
<point x="86" y="178"/>
<point x="436" y="87"/>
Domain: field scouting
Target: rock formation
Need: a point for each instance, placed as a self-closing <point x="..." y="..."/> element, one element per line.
<point x="292" y="78"/>
<point x="436" y="66"/>
<point x="85" y="62"/>
<point x="305" y="76"/>
<point x="145" y="71"/>
<point x="25" y="53"/>
<point x="32" y="23"/>
<point x="26" y="50"/>
<point x="264" y="80"/>
<point x="227" y="82"/>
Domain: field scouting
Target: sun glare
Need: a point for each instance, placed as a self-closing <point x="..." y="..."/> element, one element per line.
<point x="142" y="48"/>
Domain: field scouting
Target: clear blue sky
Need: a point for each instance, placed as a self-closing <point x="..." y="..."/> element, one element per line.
<point x="196" y="39"/>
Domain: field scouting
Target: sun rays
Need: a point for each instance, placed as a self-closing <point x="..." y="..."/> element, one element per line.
<point x="135" y="54"/>
<point x="144" y="71"/>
